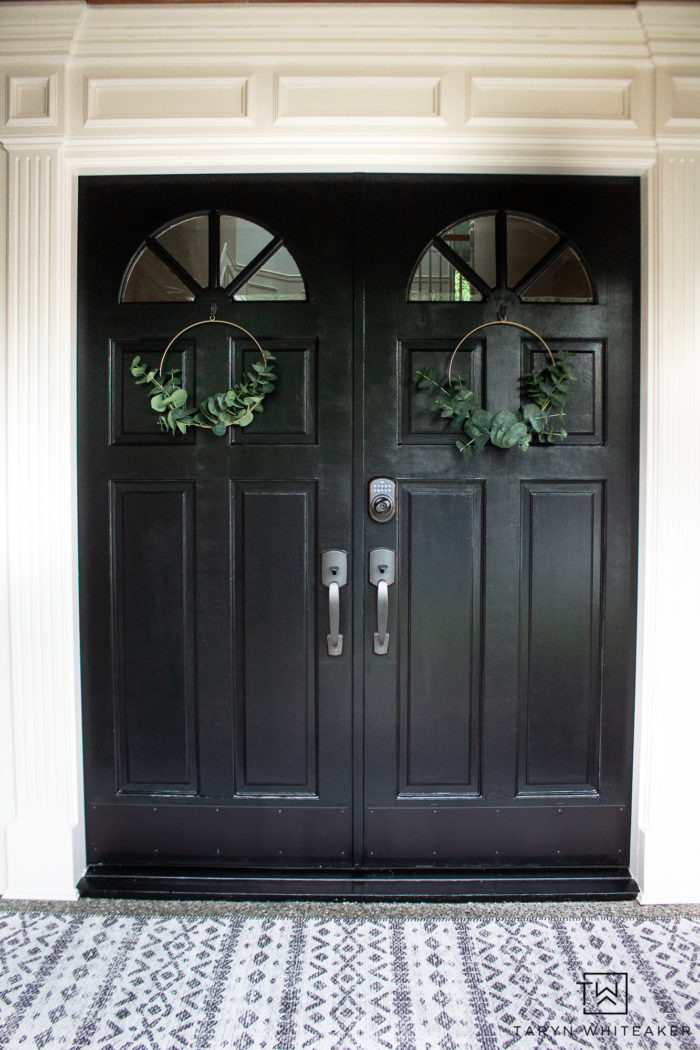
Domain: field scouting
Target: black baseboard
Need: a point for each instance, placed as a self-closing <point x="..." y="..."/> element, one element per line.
<point x="164" y="883"/>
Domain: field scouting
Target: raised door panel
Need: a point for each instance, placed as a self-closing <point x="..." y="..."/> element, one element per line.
<point x="440" y="638"/>
<point x="152" y="526"/>
<point x="561" y="648"/>
<point x="275" y="638"/>
<point x="291" y="416"/>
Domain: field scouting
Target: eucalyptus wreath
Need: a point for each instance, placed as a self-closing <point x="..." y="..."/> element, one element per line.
<point x="540" y="417"/>
<point x="216" y="412"/>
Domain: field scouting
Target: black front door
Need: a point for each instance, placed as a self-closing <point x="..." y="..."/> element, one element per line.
<point x="221" y="732"/>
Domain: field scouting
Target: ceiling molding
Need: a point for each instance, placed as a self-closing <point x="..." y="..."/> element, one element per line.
<point x="233" y="3"/>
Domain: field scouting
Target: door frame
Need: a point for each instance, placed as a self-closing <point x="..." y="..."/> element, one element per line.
<point x="41" y="751"/>
<point x="124" y="824"/>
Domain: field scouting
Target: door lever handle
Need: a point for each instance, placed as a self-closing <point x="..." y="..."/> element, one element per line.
<point x="382" y="572"/>
<point x="334" y="575"/>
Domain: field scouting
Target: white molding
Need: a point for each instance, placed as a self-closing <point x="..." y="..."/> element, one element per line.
<point x="335" y="154"/>
<point x="625" y="83"/>
<point x="672" y="30"/>
<point x="38" y="30"/>
<point x="328" y="32"/>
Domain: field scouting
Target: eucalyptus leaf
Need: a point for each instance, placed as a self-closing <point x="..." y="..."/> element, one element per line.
<point x="481" y="418"/>
<point x="506" y="431"/>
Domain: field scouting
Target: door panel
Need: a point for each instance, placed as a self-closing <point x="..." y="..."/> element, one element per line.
<point x="561" y="641"/>
<point x="509" y="676"/>
<point x="213" y="729"/>
<point x="275" y="631"/>
<point x="441" y="550"/>
<point x="152" y="568"/>
<point x="496" y="731"/>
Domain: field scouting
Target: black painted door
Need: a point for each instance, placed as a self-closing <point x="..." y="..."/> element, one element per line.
<point x="215" y="728"/>
<point x="496" y="730"/>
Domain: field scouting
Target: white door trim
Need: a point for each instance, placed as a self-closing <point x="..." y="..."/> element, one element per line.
<point x="408" y="87"/>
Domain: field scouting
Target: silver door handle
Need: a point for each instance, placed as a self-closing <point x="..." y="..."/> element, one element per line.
<point x="382" y="572"/>
<point x="381" y="635"/>
<point x="334" y="575"/>
<point x="335" y="638"/>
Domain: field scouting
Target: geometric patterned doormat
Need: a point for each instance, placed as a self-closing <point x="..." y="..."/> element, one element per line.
<point x="348" y="977"/>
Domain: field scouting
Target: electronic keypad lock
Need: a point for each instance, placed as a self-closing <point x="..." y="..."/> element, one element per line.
<point x="382" y="499"/>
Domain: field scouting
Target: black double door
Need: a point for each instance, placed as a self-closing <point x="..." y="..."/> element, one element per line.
<point x="495" y="734"/>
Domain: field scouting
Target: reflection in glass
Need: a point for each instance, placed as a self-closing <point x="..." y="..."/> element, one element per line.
<point x="150" y="281"/>
<point x="528" y="242"/>
<point x="240" y="241"/>
<point x="474" y="240"/>
<point x="278" y="278"/>
<point x="188" y="243"/>
<point x="436" y="280"/>
<point x="564" y="280"/>
<point x="192" y="242"/>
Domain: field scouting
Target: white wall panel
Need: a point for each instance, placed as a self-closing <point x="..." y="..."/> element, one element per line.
<point x="358" y="99"/>
<point x="680" y="105"/>
<point x="139" y="102"/>
<point x="494" y="100"/>
<point x="31" y="100"/>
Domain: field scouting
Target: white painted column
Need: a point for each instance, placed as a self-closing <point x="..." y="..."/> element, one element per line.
<point x="667" y="847"/>
<point x="7" y="777"/>
<point x="45" y="852"/>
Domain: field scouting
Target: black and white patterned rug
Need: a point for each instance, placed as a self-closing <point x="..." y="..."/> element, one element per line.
<point x="348" y="977"/>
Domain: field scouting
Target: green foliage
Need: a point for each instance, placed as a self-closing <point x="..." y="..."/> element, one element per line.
<point x="235" y="407"/>
<point x="540" y="419"/>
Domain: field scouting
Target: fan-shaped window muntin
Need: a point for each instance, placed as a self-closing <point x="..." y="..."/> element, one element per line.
<point x="193" y="256"/>
<point x="470" y="259"/>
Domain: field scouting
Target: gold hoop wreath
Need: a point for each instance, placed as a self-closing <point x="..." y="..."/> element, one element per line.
<point x="216" y="412"/>
<point x="541" y="418"/>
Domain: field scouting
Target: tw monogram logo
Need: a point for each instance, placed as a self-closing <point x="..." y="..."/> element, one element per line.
<point x="604" y="993"/>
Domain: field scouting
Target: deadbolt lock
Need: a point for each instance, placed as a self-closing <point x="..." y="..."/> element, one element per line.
<point x="382" y="499"/>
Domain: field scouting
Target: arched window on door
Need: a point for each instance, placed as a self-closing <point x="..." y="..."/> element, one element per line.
<point x="505" y="250"/>
<point x="195" y="255"/>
